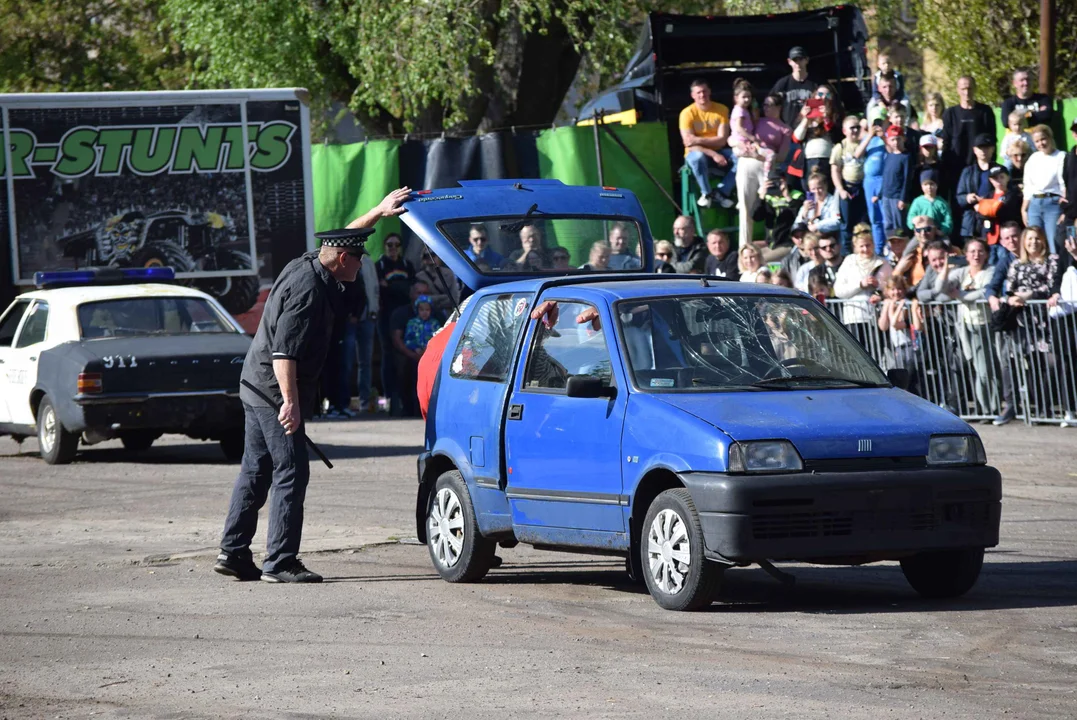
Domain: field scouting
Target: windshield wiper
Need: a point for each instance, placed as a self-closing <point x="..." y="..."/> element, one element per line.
<point x="519" y="224"/>
<point x="815" y="379"/>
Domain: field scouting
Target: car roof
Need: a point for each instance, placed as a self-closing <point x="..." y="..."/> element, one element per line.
<point x="71" y="296"/>
<point x="641" y="285"/>
<point x="476" y="199"/>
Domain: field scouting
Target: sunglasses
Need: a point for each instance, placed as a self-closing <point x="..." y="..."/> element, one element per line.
<point x="827" y="247"/>
<point x="822" y="96"/>
<point x="921" y="230"/>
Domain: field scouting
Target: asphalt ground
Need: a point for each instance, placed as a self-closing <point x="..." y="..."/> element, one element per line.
<point x="109" y="608"/>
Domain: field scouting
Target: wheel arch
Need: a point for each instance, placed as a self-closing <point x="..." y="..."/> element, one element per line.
<point x="36" y="396"/>
<point x="653" y="483"/>
<point x="436" y="466"/>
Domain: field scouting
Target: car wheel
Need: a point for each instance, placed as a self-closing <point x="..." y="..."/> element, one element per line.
<point x="138" y="440"/>
<point x="678" y="575"/>
<point x="163" y="253"/>
<point x="460" y="553"/>
<point x="232" y="446"/>
<point x="58" y="446"/>
<point x="237" y="293"/>
<point x="944" y="573"/>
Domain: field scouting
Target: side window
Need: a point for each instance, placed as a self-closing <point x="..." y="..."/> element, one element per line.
<point x="487" y="344"/>
<point x="10" y="322"/>
<point x="570" y="347"/>
<point x="33" y="330"/>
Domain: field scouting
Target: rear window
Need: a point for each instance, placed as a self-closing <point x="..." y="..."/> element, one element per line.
<point x="545" y="244"/>
<point x="150" y="316"/>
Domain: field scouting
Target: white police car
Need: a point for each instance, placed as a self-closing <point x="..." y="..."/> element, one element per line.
<point x="98" y="354"/>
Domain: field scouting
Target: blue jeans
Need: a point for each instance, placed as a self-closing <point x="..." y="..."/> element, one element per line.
<point x="892" y="215"/>
<point x="389" y="386"/>
<point x="273" y="460"/>
<point x="703" y="167"/>
<point x="362" y="334"/>
<point x="853" y="212"/>
<point x="1045" y="213"/>
<point x="872" y="187"/>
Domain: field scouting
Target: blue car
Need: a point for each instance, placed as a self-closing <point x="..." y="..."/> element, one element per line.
<point x="685" y="423"/>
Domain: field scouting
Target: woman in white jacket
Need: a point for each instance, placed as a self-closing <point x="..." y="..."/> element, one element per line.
<point x="858" y="282"/>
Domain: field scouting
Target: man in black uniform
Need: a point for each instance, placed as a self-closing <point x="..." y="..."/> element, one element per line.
<point x="285" y="362"/>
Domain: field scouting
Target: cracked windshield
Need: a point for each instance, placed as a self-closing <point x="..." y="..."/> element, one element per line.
<point x="740" y="343"/>
<point x="541" y="244"/>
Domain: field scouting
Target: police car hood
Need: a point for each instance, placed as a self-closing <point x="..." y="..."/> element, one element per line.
<point x="512" y="203"/>
<point x="826" y="423"/>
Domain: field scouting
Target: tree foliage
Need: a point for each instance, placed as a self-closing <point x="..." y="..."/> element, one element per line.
<point x="416" y="65"/>
<point x="60" y="45"/>
<point x="989" y="39"/>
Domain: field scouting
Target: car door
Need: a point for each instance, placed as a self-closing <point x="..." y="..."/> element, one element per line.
<point x="22" y="361"/>
<point x="563" y="454"/>
<point x="11" y="389"/>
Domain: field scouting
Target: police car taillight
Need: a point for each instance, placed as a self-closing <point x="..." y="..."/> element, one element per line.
<point x="102" y="276"/>
<point x="89" y="383"/>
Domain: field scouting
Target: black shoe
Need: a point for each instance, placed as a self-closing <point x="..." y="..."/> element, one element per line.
<point x="293" y="573"/>
<point x="239" y="568"/>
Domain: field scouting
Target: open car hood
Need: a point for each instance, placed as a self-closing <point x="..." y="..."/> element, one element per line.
<point x="502" y="205"/>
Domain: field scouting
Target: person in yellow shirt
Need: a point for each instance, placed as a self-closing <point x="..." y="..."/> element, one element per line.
<point x="704" y="129"/>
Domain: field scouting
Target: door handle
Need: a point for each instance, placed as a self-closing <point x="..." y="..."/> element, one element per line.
<point x="516" y="412"/>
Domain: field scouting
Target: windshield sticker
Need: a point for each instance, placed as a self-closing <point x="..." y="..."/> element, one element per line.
<point x="662" y="382"/>
<point x="521" y="306"/>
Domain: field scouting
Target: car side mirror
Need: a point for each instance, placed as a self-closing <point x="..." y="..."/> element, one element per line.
<point x="898" y="377"/>
<point x="588" y="386"/>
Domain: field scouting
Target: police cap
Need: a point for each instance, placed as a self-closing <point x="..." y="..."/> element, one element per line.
<point x="345" y="237"/>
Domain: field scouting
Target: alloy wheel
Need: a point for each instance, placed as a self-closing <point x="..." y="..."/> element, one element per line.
<point x="445" y="528"/>
<point x="669" y="552"/>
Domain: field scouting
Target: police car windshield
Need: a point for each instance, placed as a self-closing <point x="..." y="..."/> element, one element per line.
<point x="542" y="243"/>
<point x="742" y="342"/>
<point x="130" y="317"/>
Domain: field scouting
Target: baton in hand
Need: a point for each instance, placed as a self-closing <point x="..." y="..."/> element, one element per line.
<point x="317" y="450"/>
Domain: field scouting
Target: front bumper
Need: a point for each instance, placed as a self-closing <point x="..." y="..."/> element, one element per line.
<point x="847" y="516"/>
<point x="199" y="414"/>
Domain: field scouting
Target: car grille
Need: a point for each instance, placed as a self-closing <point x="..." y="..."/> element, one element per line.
<point x="865" y="464"/>
<point x="833" y="524"/>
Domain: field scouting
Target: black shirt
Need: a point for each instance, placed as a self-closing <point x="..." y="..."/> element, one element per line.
<point x="297" y="324"/>
<point x="959" y="130"/>
<point x="795" y="93"/>
<point x="726" y="267"/>
<point x="1037" y="107"/>
<point x="398" y="275"/>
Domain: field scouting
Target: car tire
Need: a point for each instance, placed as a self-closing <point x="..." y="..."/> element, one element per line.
<point x="458" y="550"/>
<point x="58" y="445"/>
<point x="138" y="440"/>
<point x="944" y="573"/>
<point x="237" y="293"/>
<point x="232" y="446"/>
<point x="677" y="573"/>
<point x="163" y="254"/>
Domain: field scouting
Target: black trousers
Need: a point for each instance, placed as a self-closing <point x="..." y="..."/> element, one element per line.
<point x="272" y="461"/>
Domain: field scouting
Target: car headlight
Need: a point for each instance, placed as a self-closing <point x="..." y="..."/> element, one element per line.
<point x="956" y="450"/>
<point x="764" y="456"/>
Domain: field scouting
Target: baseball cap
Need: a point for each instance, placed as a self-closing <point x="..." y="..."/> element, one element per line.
<point x="797" y="53"/>
<point x="929" y="175"/>
<point x="997" y="170"/>
<point x="928" y="139"/>
<point x="897" y="232"/>
<point x="984" y="140"/>
<point x="894" y="131"/>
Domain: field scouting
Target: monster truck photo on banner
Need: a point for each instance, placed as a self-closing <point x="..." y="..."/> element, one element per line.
<point x="158" y="179"/>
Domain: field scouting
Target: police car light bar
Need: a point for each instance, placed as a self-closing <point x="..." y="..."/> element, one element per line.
<point x="102" y="276"/>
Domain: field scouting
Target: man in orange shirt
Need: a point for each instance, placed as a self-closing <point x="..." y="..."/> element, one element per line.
<point x="704" y="129"/>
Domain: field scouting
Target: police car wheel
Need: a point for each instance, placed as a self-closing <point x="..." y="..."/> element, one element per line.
<point x="460" y="553"/>
<point x="58" y="446"/>
<point x="678" y="575"/>
<point x="944" y="573"/>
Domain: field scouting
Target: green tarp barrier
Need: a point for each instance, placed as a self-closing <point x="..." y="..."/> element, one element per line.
<point x="351" y="179"/>
<point x="568" y="154"/>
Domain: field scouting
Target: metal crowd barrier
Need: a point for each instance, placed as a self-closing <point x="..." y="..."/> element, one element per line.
<point x="958" y="362"/>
